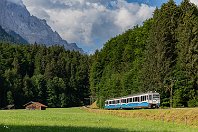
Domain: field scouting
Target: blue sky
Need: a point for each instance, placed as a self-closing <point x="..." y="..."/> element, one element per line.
<point x="157" y="3"/>
<point x="91" y="23"/>
<point x="149" y="2"/>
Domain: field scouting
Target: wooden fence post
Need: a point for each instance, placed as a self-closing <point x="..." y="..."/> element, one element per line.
<point x="173" y="119"/>
<point x="186" y="120"/>
<point x="162" y="118"/>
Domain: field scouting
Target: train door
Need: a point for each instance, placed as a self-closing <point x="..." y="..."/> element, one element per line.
<point x="150" y="100"/>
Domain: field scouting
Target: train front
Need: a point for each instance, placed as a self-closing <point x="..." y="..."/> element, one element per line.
<point x="154" y="100"/>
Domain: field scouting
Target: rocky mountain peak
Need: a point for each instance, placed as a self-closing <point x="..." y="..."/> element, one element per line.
<point x="15" y="17"/>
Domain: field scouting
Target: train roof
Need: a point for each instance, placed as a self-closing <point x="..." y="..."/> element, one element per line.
<point x="132" y="95"/>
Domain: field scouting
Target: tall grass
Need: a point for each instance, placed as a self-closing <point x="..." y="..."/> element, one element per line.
<point x="76" y="119"/>
<point x="183" y="116"/>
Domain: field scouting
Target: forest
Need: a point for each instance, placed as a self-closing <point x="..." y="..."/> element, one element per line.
<point x="159" y="55"/>
<point x="50" y="75"/>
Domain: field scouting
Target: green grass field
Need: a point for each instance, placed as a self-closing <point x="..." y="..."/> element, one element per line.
<point x="76" y="119"/>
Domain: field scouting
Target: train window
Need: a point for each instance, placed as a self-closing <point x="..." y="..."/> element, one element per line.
<point x="142" y="98"/>
<point x="133" y="99"/>
<point x="129" y="100"/>
<point x="146" y="97"/>
<point x="150" y="97"/>
<point x="155" y="96"/>
<point x="124" y="100"/>
<point x="117" y="101"/>
<point x="137" y="99"/>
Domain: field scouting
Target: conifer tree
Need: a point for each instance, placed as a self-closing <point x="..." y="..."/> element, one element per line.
<point x="161" y="49"/>
<point x="187" y="64"/>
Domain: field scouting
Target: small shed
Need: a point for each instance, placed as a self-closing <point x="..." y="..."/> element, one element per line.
<point x="9" y="107"/>
<point x="35" y="106"/>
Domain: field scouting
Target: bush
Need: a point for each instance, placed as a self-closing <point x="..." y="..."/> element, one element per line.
<point x="165" y="102"/>
<point x="193" y="103"/>
<point x="178" y="99"/>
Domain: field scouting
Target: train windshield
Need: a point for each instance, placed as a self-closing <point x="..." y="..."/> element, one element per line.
<point x="156" y="96"/>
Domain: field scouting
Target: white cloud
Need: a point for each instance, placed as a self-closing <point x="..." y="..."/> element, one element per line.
<point x="89" y="22"/>
<point x="194" y="1"/>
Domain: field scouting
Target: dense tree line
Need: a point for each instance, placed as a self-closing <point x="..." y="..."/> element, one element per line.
<point x="50" y="75"/>
<point x="161" y="55"/>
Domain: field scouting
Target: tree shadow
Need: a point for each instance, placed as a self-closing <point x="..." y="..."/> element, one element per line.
<point x="14" y="128"/>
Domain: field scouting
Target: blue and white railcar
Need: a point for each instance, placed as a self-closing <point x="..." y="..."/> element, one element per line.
<point x="113" y="103"/>
<point x="145" y="100"/>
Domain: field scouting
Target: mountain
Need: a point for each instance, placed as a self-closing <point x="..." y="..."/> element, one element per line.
<point x="11" y="37"/>
<point x="14" y="17"/>
<point x="4" y="36"/>
<point x="17" y="38"/>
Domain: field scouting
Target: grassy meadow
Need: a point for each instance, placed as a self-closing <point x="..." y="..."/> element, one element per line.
<point x="78" y="119"/>
<point x="184" y="116"/>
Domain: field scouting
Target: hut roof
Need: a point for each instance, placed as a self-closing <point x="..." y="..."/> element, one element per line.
<point x="31" y="102"/>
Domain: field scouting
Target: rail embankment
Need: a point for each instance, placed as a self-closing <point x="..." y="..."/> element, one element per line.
<point x="186" y="116"/>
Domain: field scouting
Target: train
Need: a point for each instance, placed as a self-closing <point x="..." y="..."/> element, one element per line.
<point x="141" y="100"/>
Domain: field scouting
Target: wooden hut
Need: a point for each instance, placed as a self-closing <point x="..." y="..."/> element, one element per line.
<point x="9" y="107"/>
<point x="35" y="106"/>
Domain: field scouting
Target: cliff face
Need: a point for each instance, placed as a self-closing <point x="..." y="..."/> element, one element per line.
<point x="15" y="17"/>
<point x="11" y="37"/>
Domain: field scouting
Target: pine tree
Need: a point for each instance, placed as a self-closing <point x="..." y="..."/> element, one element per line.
<point x="187" y="64"/>
<point x="161" y="50"/>
<point x="10" y="97"/>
